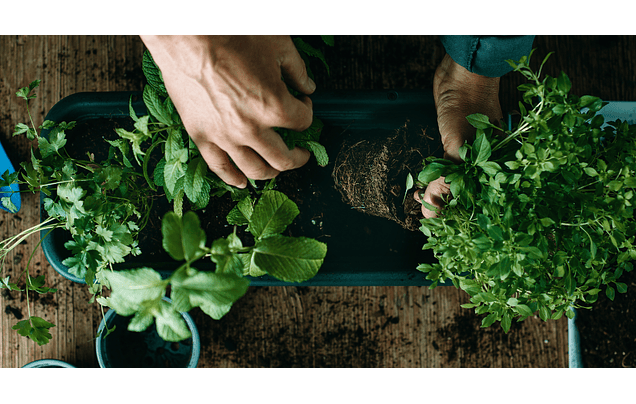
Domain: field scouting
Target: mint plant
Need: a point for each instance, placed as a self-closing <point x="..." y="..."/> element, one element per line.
<point x="139" y="292"/>
<point x="541" y="218"/>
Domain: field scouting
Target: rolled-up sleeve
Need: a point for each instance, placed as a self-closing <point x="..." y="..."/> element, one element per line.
<point x="487" y="55"/>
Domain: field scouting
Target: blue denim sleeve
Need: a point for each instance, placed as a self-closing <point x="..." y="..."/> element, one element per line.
<point x="487" y="55"/>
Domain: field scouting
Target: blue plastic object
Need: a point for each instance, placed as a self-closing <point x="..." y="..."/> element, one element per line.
<point x="12" y="191"/>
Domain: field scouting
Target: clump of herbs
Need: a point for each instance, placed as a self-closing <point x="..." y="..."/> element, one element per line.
<point x="100" y="204"/>
<point x="541" y="218"/>
<point x="104" y="206"/>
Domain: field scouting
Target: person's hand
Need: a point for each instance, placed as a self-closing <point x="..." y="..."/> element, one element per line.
<point x="230" y="95"/>
<point x="458" y="93"/>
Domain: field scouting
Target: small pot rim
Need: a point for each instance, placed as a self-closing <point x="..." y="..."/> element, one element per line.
<point x="48" y="363"/>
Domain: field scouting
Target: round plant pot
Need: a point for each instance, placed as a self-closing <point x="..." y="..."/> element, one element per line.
<point x="48" y="363"/>
<point x="129" y="349"/>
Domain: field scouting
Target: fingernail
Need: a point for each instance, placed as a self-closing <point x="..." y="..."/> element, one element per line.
<point x="311" y="84"/>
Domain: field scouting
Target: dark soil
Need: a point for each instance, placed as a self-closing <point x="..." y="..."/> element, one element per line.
<point x="608" y="329"/>
<point x="127" y="349"/>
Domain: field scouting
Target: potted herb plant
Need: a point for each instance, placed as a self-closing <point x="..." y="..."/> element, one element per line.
<point x="130" y="343"/>
<point x="541" y="219"/>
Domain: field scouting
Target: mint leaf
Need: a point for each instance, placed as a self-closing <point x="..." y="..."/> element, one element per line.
<point x="131" y="288"/>
<point x="170" y="324"/>
<point x="153" y="74"/>
<point x="273" y="212"/>
<point x="318" y="151"/>
<point x="155" y="106"/>
<point x="183" y="238"/>
<point x="289" y="259"/>
<point x="197" y="189"/>
<point x="213" y="292"/>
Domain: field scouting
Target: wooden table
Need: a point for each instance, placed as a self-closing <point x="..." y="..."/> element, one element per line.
<point x="287" y="326"/>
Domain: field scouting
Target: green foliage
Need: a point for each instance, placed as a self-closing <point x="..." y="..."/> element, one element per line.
<point x="104" y="205"/>
<point x="541" y="218"/>
<point x="139" y="292"/>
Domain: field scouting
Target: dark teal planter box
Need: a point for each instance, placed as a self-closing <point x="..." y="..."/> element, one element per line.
<point x="363" y="250"/>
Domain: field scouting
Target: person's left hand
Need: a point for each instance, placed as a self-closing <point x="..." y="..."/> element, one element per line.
<point x="458" y="93"/>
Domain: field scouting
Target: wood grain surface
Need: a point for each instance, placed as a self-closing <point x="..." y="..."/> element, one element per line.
<point x="286" y="326"/>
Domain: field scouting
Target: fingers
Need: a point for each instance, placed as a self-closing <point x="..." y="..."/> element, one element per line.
<point x="295" y="72"/>
<point x="220" y="164"/>
<point x="265" y="157"/>
<point x="271" y="147"/>
<point x="436" y="194"/>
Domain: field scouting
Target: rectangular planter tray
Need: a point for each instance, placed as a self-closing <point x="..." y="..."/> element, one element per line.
<point x="362" y="250"/>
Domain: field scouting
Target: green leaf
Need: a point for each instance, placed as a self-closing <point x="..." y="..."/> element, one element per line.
<point x="130" y="289"/>
<point x="328" y="39"/>
<point x="479" y="121"/>
<point x="173" y="171"/>
<point x="621" y="287"/>
<point x="37" y="285"/>
<point x="241" y="213"/>
<point x="506" y="321"/>
<point x="8" y="204"/>
<point x="304" y="47"/>
<point x="481" y="149"/>
<point x="20" y="129"/>
<point x="171" y="325"/>
<point x="610" y="292"/>
<point x="135" y="138"/>
<point x="433" y="171"/>
<point x="523" y="310"/>
<point x="289" y="259"/>
<point x="318" y="151"/>
<point x="213" y="292"/>
<point x="25" y="92"/>
<point x="36" y="329"/>
<point x="196" y="187"/>
<point x="155" y="106"/>
<point x="563" y="83"/>
<point x="469" y="286"/>
<point x="489" y="320"/>
<point x="5" y="284"/>
<point x="273" y="212"/>
<point x="183" y="238"/>
<point x="153" y="74"/>
<point x="51" y="145"/>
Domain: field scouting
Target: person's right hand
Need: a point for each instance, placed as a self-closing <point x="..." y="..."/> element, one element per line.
<point x="230" y="95"/>
<point x="458" y="93"/>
